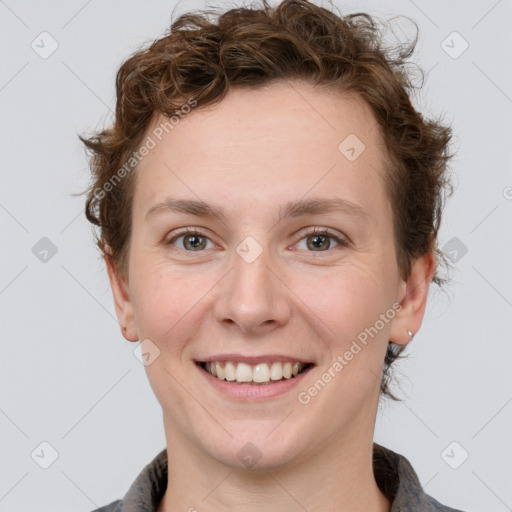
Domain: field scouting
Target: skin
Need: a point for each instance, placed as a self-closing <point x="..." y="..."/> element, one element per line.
<point x="250" y="154"/>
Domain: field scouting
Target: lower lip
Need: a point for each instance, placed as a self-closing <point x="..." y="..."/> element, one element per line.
<point x="251" y="392"/>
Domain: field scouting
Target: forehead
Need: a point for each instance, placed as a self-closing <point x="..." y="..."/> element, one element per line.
<point x="266" y="145"/>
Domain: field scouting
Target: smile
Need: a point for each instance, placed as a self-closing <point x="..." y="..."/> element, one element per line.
<point x="254" y="374"/>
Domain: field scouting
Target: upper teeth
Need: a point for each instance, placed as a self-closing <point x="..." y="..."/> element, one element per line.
<point x="261" y="372"/>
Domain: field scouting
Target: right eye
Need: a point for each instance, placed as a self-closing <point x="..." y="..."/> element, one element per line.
<point x="192" y="240"/>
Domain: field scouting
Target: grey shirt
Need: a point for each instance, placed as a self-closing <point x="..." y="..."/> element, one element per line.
<point x="393" y="472"/>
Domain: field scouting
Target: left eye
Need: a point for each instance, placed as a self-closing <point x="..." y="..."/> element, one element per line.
<point x="319" y="240"/>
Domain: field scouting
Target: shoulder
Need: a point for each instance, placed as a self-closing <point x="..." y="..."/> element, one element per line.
<point x="146" y="491"/>
<point x="399" y="482"/>
<point x="115" y="506"/>
<point x="433" y="505"/>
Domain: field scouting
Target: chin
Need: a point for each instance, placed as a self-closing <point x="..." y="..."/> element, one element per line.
<point x="254" y="449"/>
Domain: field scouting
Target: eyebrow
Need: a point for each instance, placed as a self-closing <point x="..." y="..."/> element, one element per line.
<point x="291" y="209"/>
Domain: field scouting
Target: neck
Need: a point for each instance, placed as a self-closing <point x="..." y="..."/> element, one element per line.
<point x="339" y="477"/>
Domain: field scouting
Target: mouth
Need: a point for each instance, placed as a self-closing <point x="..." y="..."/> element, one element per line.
<point x="258" y="374"/>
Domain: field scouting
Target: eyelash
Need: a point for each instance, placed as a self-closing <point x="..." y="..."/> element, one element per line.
<point x="342" y="242"/>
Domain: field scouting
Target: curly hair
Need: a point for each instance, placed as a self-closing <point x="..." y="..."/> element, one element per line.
<point x="207" y="53"/>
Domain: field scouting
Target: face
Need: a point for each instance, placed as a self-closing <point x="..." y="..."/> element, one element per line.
<point x="257" y="243"/>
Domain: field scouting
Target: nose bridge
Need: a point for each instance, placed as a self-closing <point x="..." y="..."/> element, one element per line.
<point x="251" y="296"/>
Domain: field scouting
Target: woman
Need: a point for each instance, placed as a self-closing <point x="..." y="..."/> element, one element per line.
<point x="268" y="202"/>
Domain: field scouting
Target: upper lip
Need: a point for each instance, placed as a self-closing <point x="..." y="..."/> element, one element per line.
<point x="264" y="358"/>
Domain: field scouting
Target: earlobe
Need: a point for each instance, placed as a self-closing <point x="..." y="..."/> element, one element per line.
<point x="122" y="301"/>
<point x="413" y="300"/>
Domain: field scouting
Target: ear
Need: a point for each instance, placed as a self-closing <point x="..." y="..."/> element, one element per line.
<point x="122" y="301"/>
<point x="413" y="299"/>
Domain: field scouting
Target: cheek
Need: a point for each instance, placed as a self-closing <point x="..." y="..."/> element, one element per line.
<point x="167" y="302"/>
<point x="346" y="300"/>
<point x="156" y="303"/>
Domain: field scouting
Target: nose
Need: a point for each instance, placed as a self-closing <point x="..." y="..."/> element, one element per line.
<point x="252" y="297"/>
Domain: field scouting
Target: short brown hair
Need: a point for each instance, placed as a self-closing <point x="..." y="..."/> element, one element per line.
<point x="203" y="59"/>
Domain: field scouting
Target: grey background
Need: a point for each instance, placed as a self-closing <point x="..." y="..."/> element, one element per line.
<point x="70" y="379"/>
